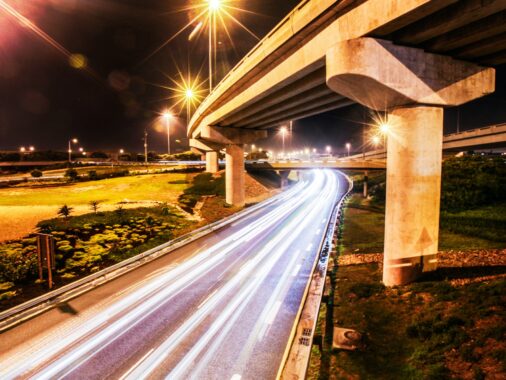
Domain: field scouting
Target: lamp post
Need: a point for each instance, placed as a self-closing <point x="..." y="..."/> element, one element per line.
<point x="145" y="147"/>
<point x="189" y="95"/>
<point x="167" y="116"/>
<point x="71" y="141"/>
<point x="213" y="8"/>
<point x="328" y="149"/>
<point x="348" y="147"/>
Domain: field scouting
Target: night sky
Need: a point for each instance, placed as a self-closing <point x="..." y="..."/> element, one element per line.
<point x="44" y="101"/>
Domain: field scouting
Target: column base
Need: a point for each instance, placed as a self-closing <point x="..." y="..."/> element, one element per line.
<point x="407" y="270"/>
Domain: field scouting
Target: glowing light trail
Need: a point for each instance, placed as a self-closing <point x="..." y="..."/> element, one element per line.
<point x="262" y="245"/>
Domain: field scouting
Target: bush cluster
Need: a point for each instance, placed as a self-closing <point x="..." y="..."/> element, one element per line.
<point x="81" y="250"/>
<point x="203" y="184"/>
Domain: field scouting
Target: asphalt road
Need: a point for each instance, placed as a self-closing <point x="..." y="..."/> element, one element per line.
<point x="221" y="307"/>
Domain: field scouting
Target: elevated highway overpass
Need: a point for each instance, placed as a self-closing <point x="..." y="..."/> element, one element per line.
<point x="491" y="137"/>
<point x="408" y="58"/>
<point x="340" y="164"/>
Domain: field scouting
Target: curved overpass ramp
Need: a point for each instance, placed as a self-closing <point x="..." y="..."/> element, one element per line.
<point x="409" y="58"/>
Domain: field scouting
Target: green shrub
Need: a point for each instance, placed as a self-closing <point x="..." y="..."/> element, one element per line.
<point x="36" y="173"/>
<point x="6" y="286"/>
<point x="92" y="175"/>
<point x="7" y="295"/>
<point x="71" y="174"/>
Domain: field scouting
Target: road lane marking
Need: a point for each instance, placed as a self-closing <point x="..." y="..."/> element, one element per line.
<point x="207" y="299"/>
<point x="136" y="364"/>
<point x="318" y="232"/>
<point x="296" y="270"/>
<point x="274" y="311"/>
<point x="309" y="247"/>
<point x="236" y="377"/>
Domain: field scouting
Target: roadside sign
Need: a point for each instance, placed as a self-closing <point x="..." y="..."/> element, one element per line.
<point x="46" y="256"/>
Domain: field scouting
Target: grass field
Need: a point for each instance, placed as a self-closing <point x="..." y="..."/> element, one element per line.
<point x="22" y="208"/>
<point x="365" y="225"/>
<point x="430" y="330"/>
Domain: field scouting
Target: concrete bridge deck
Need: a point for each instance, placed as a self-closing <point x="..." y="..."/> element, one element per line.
<point x="317" y="164"/>
<point x="406" y="58"/>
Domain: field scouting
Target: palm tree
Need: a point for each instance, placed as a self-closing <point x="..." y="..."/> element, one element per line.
<point x="65" y="211"/>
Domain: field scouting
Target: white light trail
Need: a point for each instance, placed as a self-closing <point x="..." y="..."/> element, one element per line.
<point x="273" y="235"/>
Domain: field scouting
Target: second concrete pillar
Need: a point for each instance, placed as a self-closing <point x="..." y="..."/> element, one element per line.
<point x="234" y="175"/>
<point x="212" y="164"/>
<point x="413" y="193"/>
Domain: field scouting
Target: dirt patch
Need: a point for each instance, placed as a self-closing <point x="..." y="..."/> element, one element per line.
<point x="19" y="221"/>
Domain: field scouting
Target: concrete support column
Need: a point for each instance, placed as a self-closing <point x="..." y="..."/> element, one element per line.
<point x="212" y="164"/>
<point x="234" y="175"/>
<point x="413" y="193"/>
<point x="284" y="174"/>
<point x="366" y="178"/>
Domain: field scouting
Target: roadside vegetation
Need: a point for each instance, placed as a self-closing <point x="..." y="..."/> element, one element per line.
<point x="430" y="330"/>
<point x="473" y="208"/>
<point x="451" y="324"/>
<point x="86" y="244"/>
<point x="105" y="232"/>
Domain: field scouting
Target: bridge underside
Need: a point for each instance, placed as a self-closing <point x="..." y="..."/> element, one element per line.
<point x="408" y="58"/>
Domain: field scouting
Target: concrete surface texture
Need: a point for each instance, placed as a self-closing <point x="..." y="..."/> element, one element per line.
<point x="234" y="175"/>
<point x="413" y="193"/>
<point x="212" y="164"/>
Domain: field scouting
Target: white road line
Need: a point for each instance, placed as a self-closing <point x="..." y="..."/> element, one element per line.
<point x="274" y="311"/>
<point x="236" y="377"/>
<point x="309" y="247"/>
<point x="318" y="232"/>
<point x="136" y="364"/>
<point x="207" y="299"/>
<point x="296" y="270"/>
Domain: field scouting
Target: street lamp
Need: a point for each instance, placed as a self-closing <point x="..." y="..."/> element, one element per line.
<point x="71" y="141"/>
<point x="253" y="148"/>
<point x="348" y="147"/>
<point x="167" y="116"/>
<point x="121" y="151"/>
<point x="214" y="7"/>
<point x="31" y="149"/>
<point x="22" y="149"/>
<point x="376" y="140"/>
<point x="328" y="149"/>
<point x="385" y="129"/>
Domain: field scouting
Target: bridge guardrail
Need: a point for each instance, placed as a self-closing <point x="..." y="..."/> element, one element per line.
<point x="11" y="317"/>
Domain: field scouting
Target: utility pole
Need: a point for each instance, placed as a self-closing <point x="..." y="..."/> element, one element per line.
<point x="290" y="136"/>
<point x="145" y="147"/>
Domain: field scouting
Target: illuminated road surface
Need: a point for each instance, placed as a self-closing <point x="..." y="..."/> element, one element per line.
<point x="219" y="308"/>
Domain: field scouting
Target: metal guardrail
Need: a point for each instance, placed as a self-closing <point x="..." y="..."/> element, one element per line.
<point x="36" y="306"/>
